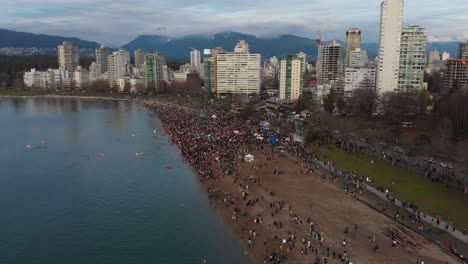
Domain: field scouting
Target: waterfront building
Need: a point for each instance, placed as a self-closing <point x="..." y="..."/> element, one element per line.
<point x="80" y="78"/>
<point x="117" y="65"/>
<point x="238" y="72"/>
<point x="32" y="79"/>
<point x="154" y="63"/>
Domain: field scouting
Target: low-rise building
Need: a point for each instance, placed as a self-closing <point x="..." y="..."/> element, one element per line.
<point x="32" y="79"/>
<point x="359" y="78"/>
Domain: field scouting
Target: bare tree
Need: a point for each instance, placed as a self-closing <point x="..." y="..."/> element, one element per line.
<point x="397" y="106"/>
<point x="455" y="108"/>
<point x="445" y="128"/>
<point x="363" y="102"/>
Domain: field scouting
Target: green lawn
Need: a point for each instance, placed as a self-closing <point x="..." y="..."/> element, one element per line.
<point x="432" y="198"/>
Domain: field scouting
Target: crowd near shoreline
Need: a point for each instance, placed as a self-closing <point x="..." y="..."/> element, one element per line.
<point x="215" y="145"/>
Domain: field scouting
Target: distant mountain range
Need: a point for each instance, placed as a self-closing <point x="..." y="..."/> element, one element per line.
<point x="20" y="43"/>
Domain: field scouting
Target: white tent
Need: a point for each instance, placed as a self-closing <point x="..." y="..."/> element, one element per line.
<point x="249" y="158"/>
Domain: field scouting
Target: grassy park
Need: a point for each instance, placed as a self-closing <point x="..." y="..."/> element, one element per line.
<point x="409" y="186"/>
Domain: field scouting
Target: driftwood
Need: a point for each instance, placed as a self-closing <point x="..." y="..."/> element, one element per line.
<point x="405" y="238"/>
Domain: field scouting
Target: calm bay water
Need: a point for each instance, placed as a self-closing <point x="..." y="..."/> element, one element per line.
<point x="58" y="207"/>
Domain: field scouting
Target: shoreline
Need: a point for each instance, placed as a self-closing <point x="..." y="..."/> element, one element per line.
<point x="243" y="200"/>
<point x="51" y="96"/>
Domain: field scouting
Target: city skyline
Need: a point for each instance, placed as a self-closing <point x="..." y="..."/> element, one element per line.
<point x="443" y="21"/>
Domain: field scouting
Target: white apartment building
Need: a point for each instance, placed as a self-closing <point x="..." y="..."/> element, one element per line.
<point x="137" y="85"/>
<point x="32" y="79"/>
<point x="391" y="17"/>
<point x="355" y="77"/>
<point x="117" y="65"/>
<point x="93" y="72"/>
<point x="62" y="78"/>
<point x="445" y="56"/>
<point x="238" y="72"/>
<point x="413" y="59"/>
<point x="242" y="47"/>
<point x="358" y="58"/>
<point x="274" y="61"/>
<point x="81" y="78"/>
<point x="319" y="93"/>
<point x="304" y="59"/>
<point x="48" y="80"/>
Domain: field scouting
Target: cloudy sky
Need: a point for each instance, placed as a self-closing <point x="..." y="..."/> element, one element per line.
<point x="116" y="22"/>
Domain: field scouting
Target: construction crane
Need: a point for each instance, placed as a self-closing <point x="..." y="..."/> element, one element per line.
<point x="319" y="38"/>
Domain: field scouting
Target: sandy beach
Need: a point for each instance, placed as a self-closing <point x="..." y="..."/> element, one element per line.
<point x="283" y="208"/>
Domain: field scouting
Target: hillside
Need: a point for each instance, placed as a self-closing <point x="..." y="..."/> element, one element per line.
<point x="14" y="43"/>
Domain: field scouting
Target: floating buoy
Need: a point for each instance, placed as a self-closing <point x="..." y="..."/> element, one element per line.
<point x="133" y="135"/>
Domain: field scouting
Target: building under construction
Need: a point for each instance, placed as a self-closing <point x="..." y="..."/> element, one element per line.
<point x="329" y="63"/>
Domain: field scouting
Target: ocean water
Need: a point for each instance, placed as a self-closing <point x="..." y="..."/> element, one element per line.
<point x="57" y="207"/>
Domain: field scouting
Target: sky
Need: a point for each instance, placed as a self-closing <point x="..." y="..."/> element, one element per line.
<point x="116" y="22"/>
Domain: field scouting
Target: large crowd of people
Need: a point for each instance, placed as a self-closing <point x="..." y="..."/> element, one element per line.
<point x="215" y="144"/>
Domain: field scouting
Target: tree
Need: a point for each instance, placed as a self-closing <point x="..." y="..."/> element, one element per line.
<point x="397" y="106"/>
<point x="455" y="87"/>
<point x="363" y="100"/>
<point x="434" y="82"/>
<point x="329" y="101"/>
<point x="127" y="87"/>
<point x="99" y="86"/>
<point x="341" y="104"/>
<point x="445" y="128"/>
<point x="423" y="101"/>
<point x="303" y="102"/>
<point x="455" y="108"/>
